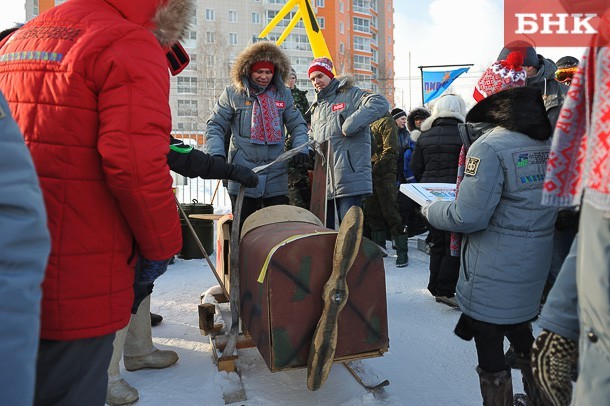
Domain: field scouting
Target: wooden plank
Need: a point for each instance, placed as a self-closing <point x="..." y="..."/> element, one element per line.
<point x="204" y="216"/>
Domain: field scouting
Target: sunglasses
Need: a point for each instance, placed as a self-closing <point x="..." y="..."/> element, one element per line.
<point x="564" y="75"/>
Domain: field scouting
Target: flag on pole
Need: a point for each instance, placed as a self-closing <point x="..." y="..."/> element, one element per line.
<point x="436" y="82"/>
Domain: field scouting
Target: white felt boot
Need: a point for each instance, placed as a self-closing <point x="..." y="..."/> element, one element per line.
<point x="139" y="351"/>
<point x="119" y="392"/>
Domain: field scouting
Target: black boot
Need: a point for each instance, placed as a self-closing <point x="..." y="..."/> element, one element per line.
<point x="402" y="250"/>
<point x="155" y="319"/>
<point x="535" y="397"/>
<point x="435" y="268"/>
<point x="496" y="387"/>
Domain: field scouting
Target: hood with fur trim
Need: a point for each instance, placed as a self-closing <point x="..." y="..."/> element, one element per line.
<point x="426" y="125"/>
<point x="417" y="112"/>
<point x="168" y="19"/>
<point x="520" y="109"/>
<point x="260" y="51"/>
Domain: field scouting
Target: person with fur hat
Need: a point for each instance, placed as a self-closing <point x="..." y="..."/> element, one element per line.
<point x="540" y="73"/>
<point x="435" y="160"/>
<point x="258" y="109"/>
<point x="507" y="234"/>
<point x="342" y="113"/>
<point x="98" y="129"/>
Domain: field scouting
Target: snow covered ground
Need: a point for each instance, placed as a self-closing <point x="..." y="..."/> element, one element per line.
<point x="426" y="364"/>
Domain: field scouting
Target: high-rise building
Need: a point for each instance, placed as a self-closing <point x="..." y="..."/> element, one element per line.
<point x="358" y="33"/>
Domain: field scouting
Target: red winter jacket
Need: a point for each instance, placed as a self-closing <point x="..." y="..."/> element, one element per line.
<point x="88" y="84"/>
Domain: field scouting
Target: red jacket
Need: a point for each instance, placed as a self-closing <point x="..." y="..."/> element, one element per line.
<point x="88" y="85"/>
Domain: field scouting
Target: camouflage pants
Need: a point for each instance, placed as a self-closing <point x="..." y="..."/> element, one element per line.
<point x="299" y="191"/>
<point x="383" y="205"/>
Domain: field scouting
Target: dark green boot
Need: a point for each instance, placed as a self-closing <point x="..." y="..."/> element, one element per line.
<point x="402" y="250"/>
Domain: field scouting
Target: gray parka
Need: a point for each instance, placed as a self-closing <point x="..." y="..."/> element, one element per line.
<point x="507" y="233"/>
<point x="232" y="116"/>
<point x="342" y="108"/>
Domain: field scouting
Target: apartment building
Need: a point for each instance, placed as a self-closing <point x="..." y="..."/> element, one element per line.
<point x="359" y="35"/>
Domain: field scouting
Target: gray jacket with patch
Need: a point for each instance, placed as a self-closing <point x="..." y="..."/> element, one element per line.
<point x="507" y="233"/>
<point x="342" y="108"/>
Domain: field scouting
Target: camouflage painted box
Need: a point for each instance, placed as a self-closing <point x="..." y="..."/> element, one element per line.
<point x="282" y="312"/>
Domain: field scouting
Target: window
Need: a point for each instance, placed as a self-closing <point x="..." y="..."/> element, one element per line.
<point x="188" y="127"/>
<point x="320" y="3"/>
<point x="187" y="84"/>
<point x="362" y="25"/>
<point x="362" y="62"/>
<point x="374" y="5"/>
<point x="361" y="6"/>
<point x="389" y="23"/>
<point x="210" y="59"/>
<point x="341" y="7"/>
<point x="341" y="48"/>
<point x="285" y="21"/>
<point x="374" y="51"/>
<point x="210" y="37"/>
<point x="209" y="14"/>
<point x="321" y="22"/>
<point x="187" y="108"/>
<point x="232" y="16"/>
<point x="389" y="40"/>
<point x="256" y="18"/>
<point x="232" y="38"/>
<point x="341" y="27"/>
<point x="36" y="10"/>
<point x="193" y="64"/>
<point x="362" y="44"/>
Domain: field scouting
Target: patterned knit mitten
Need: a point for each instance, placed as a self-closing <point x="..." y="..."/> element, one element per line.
<point x="551" y="363"/>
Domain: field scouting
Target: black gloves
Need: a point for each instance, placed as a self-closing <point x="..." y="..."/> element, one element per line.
<point x="552" y="356"/>
<point x="147" y="271"/>
<point x="243" y="175"/>
<point x="300" y="159"/>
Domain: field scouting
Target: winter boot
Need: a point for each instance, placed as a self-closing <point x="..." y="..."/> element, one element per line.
<point x="139" y="351"/>
<point x="378" y="238"/>
<point x="534" y="394"/>
<point x="155" y="319"/>
<point x="402" y="250"/>
<point x="119" y="392"/>
<point x="496" y="387"/>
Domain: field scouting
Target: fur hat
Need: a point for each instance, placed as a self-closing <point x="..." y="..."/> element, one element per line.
<point x="530" y="57"/>
<point x="397" y="113"/>
<point x="260" y="51"/>
<point x="501" y="75"/>
<point x="323" y="65"/>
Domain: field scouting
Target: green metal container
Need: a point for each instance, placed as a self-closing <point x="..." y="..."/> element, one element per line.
<point x="203" y="228"/>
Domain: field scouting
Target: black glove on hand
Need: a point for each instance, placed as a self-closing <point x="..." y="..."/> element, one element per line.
<point x="147" y="271"/>
<point x="300" y="158"/>
<point x="552" y="356"/>
<point x="243" y="175"/>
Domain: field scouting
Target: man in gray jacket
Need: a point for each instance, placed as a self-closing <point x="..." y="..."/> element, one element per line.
<point x="25" y="245"/>
<point x="256" y="110"/>
<point x="342" y="114"/>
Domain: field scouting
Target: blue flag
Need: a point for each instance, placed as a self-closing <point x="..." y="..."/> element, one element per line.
<point x="435" y="83"/>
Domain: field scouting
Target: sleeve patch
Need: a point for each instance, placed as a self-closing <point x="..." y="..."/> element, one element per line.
<point x="472" y="166"/>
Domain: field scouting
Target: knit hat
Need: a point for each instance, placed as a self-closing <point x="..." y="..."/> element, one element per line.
<point x="567" y="62"/>
<point x="530" y="57"/>
<point x="323" y="65"/>
<point x="397" y="113"/>
<point x="501" y="75"/>
<point x="262" y="65"/>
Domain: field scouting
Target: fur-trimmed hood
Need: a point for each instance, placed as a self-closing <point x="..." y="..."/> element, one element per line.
<point x="417" y="112"/>
<point x="415" y="135"/>
<point x="426" y="125"/>
<point x="338" y="84"/>
<point x="260" y="51"/>
<point x="168" y="19"/>
<point x="520" y="109"/>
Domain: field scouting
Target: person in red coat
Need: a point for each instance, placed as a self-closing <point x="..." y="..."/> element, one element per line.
<point x="88" y="85"/>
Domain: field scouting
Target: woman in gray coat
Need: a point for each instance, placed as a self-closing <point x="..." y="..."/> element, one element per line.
<point x="507" y="234"/>
<point x="342" y="113"/>
<point x="255" y="112"/>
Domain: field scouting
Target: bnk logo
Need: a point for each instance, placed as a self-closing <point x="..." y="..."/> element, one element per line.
<point x="553" y="23"/>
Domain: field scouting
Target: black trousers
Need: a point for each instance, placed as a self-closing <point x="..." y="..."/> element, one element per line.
<point x="489" y="340"/>
<point x="70" y="373"/>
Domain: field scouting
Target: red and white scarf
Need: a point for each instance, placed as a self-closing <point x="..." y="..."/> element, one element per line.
<point x="579" y="153"/>
<point x="265" y="124"/>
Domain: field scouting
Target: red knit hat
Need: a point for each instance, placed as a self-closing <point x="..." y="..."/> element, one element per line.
<point x="501" y="75"/>
<point x="262" y="65"/>
<point x="323" y="65"/>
